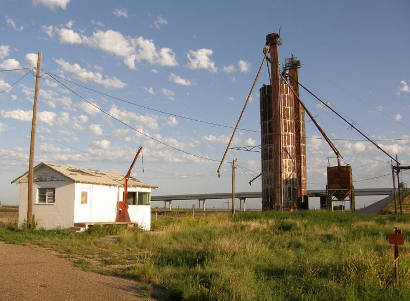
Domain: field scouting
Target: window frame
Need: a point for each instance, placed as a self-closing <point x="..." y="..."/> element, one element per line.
<point x="47" y="191"/>
<point x="81" y="197"/>
<point x="141" y="203"/>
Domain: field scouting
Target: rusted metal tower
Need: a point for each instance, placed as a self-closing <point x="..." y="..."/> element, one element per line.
<point x="278" y="134"/>
<point x="292" y="65"/>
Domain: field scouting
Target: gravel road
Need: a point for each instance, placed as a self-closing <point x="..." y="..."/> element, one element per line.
<point x="33" y="273"/>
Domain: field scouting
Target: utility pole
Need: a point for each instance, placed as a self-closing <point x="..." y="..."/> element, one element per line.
<point x="32" y="143"/>
<point x="233" y="186"/>
<point x="394" y="188"/>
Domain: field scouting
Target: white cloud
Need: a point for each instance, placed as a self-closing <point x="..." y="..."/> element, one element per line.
<point x="228" y="69"/>
<point x="250" y="142"/>
<point x="398" y="117"/>
<point x="96" y="129"/>
<point x="4" y="87"/>
<point x="2" y="127"/>
<point x="121" y="13"/>
<point x="149" y="121"/>
<point x="221" y="139"/>
<point x="155" y="71"/>
<point x="243" y="66"/>
<point x="88" y="108"/>
<point x="10" y="64"/>
<point x="4" y="51"/>
<point x="103" y="144"/>
<point x="359" y="147"/>
<point x="231" y="98"/>
<point x="69" y="36"/>
<point x="379" y="108"/>
<point x="179" y="80"/>
<point x="86" y="75"/>
<point x="168" y="93"/>
<point x="31" y="58"/>
<point x="47" y="117"/>
<point x="13" y="97"/>
<point x="167" y="58"/>
<point x="49" y="30"/>
<point x="97" y="23"/>
<point x="404" y="87"/>
<point x="49" y="148"/>
<point x="44" y="116"/>
<point x="113" y="42"/>
<point x="201" y="59"/>
<point x="69" y="24"/>
<point x="172" y="121"/>
<point x="150" y="90"/>
<point x="10" y="22"/>
<point x="159" y="21"/>
<point x="52" y="4"/>
<point x="81" y="119"/>
<point x="17" y="115"/>
<point x="315" y="142"/>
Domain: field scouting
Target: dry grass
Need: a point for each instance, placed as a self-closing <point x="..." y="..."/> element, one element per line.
<point x="254" y="256"/>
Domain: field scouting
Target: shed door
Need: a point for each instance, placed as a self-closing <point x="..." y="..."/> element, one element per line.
<point x="84" y="212"/>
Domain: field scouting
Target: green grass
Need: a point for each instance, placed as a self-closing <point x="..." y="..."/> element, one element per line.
<point x="305" y="255"/>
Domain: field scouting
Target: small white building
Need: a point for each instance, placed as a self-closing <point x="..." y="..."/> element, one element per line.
<point x="65" y="195"/>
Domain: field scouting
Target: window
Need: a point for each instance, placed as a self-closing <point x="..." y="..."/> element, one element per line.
<point x="144" y="198"/>
<point x="131" y="198"/>
<point x="46" y="196"/>
<point x="84" y="197"/>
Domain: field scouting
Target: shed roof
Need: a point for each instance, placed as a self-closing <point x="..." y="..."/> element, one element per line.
<point x="87" y="176"/>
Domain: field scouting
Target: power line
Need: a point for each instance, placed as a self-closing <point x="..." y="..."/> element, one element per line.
<point x="151" y="108"/>
<point x="16" y="82"/>
<point x="348" y="122"/>
<point x="372" y="178"/>
<point x="129" y="126"/>
<point x="15" y="69"/>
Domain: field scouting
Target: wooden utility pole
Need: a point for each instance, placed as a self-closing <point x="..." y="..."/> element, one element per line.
<point x="32" y="143"/>
<point x="233" y="186"/>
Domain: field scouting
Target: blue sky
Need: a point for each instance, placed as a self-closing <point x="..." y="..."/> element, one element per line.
<point x="198" y="59"/>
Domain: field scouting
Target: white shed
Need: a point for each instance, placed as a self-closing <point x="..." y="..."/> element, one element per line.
<point x="65" y="195"/>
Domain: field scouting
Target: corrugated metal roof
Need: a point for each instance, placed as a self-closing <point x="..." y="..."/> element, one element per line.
<point x="88" y="176"/>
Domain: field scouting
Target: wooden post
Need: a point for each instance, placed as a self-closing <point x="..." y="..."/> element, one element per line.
<point x="394" y="188"/>
<point x="396" y="263"/>
<point x="233" y="186"/>
<point x="32" y="143"/>
<point x="193" y="211"/>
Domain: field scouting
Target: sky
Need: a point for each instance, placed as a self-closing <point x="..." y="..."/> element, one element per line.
<point x="160" y="66"/>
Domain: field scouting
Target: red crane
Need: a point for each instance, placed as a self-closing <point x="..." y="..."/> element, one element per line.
<point x="122" y="207"/>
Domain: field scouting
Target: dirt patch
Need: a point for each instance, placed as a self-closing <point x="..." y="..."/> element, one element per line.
<point x="33" y="273"/>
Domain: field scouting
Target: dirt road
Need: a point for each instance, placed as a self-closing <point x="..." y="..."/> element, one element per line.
<point x="32" y="273"/>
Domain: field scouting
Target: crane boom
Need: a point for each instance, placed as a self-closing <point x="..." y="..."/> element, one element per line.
<point x="122" y="207"/>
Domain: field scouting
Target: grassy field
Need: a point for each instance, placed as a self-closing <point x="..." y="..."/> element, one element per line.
<point x="309" y="255"/>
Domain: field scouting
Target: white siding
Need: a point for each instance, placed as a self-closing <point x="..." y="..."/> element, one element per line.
<point x="101" y="204"/>
<point x="49" y="216"/>
<point x="141" y="214"/>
